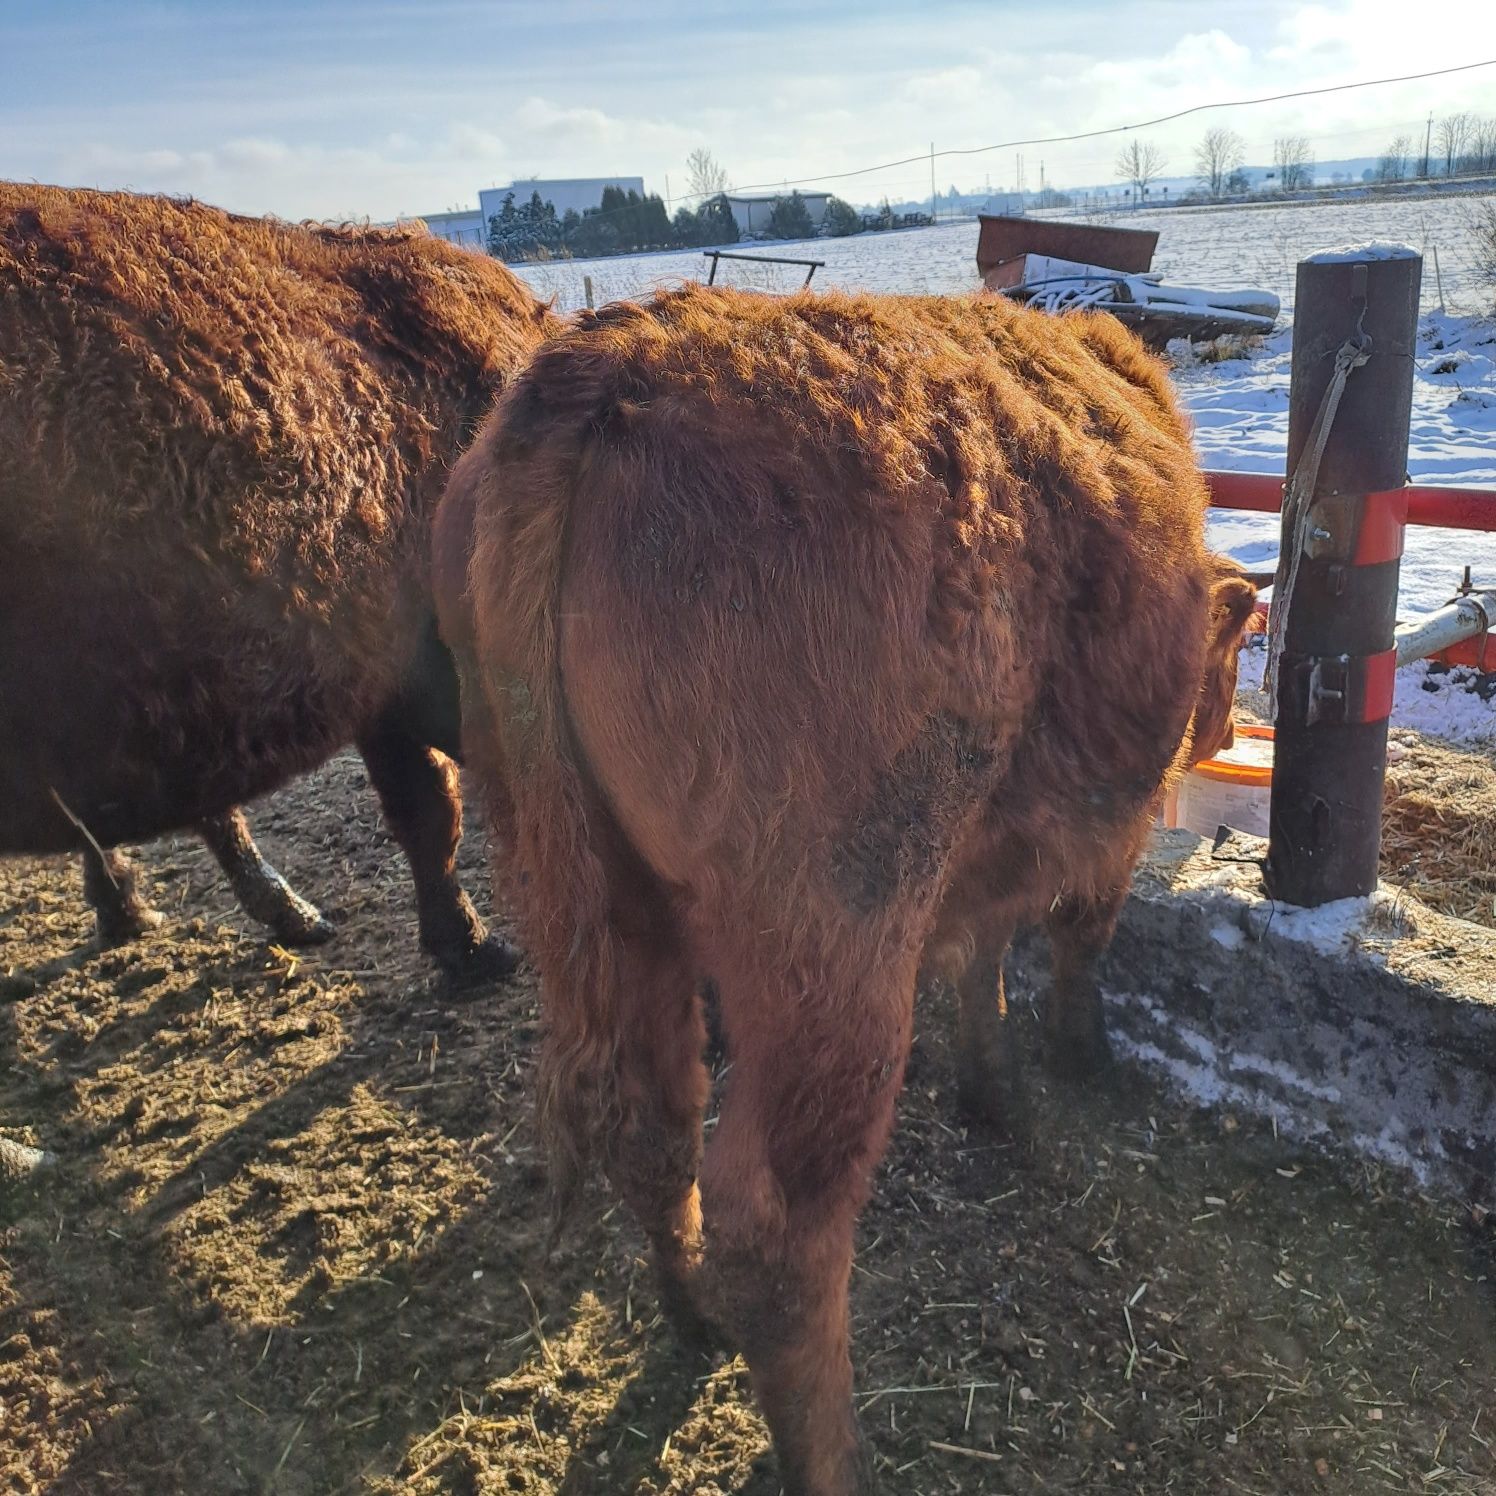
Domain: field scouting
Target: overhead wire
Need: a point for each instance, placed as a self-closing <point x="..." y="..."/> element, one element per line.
<point x="976" y="150"/>
<point x="1148" y="124"/>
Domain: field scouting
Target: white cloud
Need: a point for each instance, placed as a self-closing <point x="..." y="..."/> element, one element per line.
<point x="964" y="82"/>
<point x="237" y="154"/>
<point x="469" y="143"/>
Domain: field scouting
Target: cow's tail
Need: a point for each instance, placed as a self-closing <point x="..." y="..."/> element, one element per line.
<point x="556" y="870"/>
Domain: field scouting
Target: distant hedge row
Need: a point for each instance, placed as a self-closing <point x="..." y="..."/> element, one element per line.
<point x="625" y="223"/>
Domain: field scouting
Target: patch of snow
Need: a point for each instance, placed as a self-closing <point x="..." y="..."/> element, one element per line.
<point x="1348" y="254"/>
<point x="1441" y="704"/>
<point x="1256" y="1064"/>
<point x="1333" y="929"/>
<point x="1208" y="1081"/>
<point x="1192" y="1039"/>
<point x="1251" y="667"/>
<point x="1203" y="1082"/>
<point x="1228" y="936"/>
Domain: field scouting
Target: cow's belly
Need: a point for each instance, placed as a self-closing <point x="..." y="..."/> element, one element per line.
<point x="144" y="715"/>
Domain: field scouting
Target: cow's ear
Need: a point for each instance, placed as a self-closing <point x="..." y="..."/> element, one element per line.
<point x="1232" y="599"/>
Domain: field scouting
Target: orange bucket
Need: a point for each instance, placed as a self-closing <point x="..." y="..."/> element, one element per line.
<point x="1231" y="789"/>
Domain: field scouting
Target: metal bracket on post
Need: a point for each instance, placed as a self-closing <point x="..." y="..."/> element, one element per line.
<point x="1344" y="688"/>
<point x="1356" y="530"/>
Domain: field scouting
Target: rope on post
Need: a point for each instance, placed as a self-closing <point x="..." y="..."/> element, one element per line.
<point x="1297" y="499"/>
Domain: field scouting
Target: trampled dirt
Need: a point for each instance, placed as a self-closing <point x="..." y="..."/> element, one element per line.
<point x="294" y="1244"/>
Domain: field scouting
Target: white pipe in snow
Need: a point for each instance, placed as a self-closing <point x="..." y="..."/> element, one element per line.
<point x="1462" y="619"/>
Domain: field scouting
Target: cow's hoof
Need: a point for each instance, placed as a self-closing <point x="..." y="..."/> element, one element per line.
<point x="301" y="923"/>
<point x="697" y="1335"/>
<point x="993" y="1099"/>
<point x="121" y="926"/>
<point x="1077" y="1057"/>
<point x="492" y="959"/>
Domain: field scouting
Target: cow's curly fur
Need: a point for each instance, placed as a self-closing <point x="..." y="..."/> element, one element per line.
<point x="221" y="443"/>
<point x="810" y="638"/>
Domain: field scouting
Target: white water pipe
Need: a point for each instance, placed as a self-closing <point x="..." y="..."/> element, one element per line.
<point x="1462" y="619"/>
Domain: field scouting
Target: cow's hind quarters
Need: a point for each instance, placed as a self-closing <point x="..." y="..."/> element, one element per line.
<point x="120" y="910"/>
<point x="262" y="892"/>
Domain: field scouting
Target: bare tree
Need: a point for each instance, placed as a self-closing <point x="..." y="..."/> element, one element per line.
<point x="1392" y="165"/>
<point x="1453" y="134"/>
<point x="1482" y="225"/>
<point x="1138" y="163"/>
<point x="1294" y="162"/>
<point x="1481" y="154"/>
<point x="1216" y="157"/>
<point x="705" y="175"/>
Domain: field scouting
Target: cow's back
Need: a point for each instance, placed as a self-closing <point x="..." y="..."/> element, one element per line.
<point x="221" y="440"/>
<point x="825" y="555"/>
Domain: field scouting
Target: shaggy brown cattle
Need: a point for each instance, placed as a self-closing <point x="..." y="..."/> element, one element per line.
<point x="808" y="636"/>
<point x="222" y="440"/>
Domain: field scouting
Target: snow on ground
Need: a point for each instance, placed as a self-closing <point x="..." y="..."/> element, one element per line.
<point x="1239" y="406"/>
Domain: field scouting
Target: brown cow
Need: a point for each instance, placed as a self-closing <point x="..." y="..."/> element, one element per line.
<point x="221" y="443"/>
<point x="806" y="635"/>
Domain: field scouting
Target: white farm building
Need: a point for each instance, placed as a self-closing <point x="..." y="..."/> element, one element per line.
<point x="464" y="226"/>
<point x="469" y="226"/>
<point x="752" y="212"/>
<point x="578" y="193"/>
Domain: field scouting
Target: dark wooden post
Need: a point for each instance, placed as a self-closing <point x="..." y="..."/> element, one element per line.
<point x="1335" y="677"/>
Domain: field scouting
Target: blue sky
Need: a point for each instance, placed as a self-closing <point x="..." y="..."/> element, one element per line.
<point x="329" y="108"/>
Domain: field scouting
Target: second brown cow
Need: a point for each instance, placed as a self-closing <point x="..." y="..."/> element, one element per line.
<point x="811" y="640"/>
<point x="222" y="440"/>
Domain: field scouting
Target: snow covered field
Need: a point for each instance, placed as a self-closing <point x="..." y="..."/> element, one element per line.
<point x="1240" y="406"/>
<point x="1216" y="248"/>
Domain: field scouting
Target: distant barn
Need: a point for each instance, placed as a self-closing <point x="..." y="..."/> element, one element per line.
<point x="578" y="194"/>
<point x="462" y="226"/>
<point x="752" y="211"/>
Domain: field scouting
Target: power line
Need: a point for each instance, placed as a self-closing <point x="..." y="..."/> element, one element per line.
<point x="1163" y="119"/>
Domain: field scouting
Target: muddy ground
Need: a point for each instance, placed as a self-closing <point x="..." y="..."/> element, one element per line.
<point x="294" y="1244"/>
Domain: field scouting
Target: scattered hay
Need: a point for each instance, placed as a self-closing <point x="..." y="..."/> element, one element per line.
<point x="1439" y="825"/>
<point x="1184" y="354"/>
<point x="1228" y="346"/>
<point x="1438" y="818"/>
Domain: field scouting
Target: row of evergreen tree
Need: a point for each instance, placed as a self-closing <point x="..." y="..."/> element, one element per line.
<point x="626" y="223"/>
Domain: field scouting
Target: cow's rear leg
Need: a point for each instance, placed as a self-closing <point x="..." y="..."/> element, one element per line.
<point x="989" y="1069"/>
<point x="808" y="1107"/>
<point x="655" y="1153"/>
<point x="421" y="795"/>
<point x="1075" y="1041"/>
<point x="263" y="893"/>
<point x="110" y="886"/>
